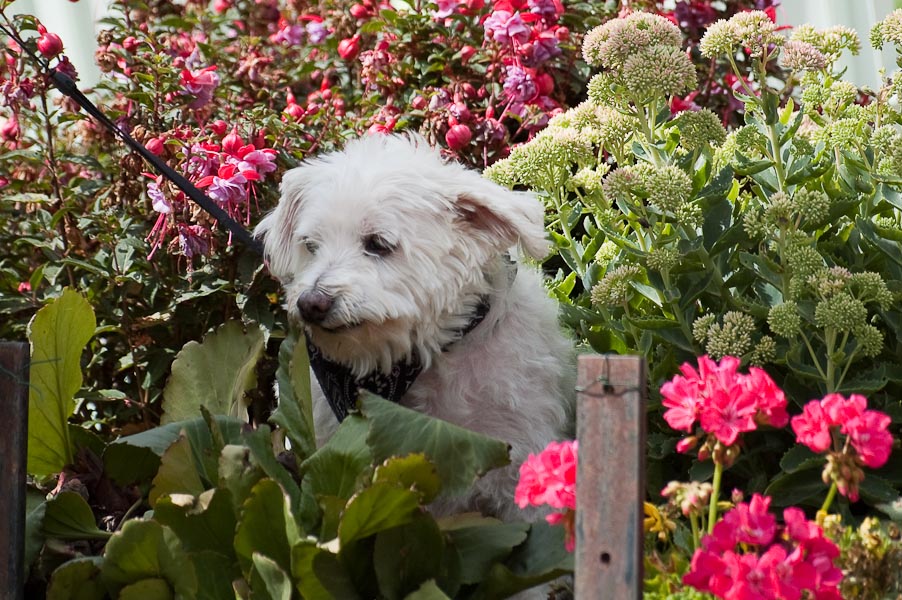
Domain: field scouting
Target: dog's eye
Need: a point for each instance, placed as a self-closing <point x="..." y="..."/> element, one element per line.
<point x="311" y="246"/>
<point x="376" y="245"/>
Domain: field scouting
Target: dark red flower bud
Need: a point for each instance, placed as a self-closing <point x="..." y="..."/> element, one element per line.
<point x="359" y="11"/>
<point x="349" y="48"/>
<point x="466" y="53"/>
<point x="232" y="142"/>
<point x="458" y="137"/>
<point x="418" y="103"/>
<point x="219" y="127"/>
<point x="155" y="145"/>
<point x="49" y="44"/>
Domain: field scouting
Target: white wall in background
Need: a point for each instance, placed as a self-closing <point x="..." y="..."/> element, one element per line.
<point x="75" y="22"/>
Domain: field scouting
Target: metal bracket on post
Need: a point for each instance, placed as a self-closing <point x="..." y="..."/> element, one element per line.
<point x="610" y="488"/>
<point x="14" y="362"/>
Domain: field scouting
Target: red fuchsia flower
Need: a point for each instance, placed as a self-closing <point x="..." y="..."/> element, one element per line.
<point x="50" y="45"/>
<point x="24" y="287"/>
<point x="748" y="557"/>
<point x="549" y="478"/>
<point x="505" y="27"/>
<point x="9" y="129"/>
<point x="200" y="84"/>
<point x="228" y="186"/>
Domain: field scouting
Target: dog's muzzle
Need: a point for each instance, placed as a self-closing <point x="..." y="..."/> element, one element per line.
<point x="314" y="306"/>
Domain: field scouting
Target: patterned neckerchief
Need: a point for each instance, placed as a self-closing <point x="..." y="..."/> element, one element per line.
<point x="341" y="387"/>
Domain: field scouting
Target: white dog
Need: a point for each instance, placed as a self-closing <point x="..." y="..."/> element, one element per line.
<point x="397" y="262"/>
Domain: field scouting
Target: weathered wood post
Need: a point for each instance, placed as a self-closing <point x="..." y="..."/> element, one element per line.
<point x="610" y="486"/>
<point x="14" y="363"/>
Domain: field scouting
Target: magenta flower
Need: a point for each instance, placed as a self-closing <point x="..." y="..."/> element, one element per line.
<point x="870" y="437"/>
<point x="519" y="85"/>
<point x="200" y="84"/>
<point x="812" y="427"/>
<point x="505" y="27"/>
<point x="549" y="478"/>
<point x="445" y="8"/>
<point x="749" y="557"/>
<point x="725" y="402"/>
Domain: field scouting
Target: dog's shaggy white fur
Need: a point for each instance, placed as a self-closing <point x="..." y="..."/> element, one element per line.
<point x="397" y="247"/>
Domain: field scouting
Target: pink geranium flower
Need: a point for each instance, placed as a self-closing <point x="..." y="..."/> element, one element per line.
<point x="812" y="427"/>
<point x="549" y="478"/>
<point x="870" y="437"/>
<point x="723" y="401"/>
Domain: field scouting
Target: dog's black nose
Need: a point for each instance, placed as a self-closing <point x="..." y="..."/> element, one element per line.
<point x="314" y="305"/>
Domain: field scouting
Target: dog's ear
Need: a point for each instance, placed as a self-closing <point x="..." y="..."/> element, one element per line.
<point x="277" y="227"/>
<point x="504" y="217"/>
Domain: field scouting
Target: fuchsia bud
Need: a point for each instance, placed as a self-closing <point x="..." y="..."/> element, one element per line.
<point x="295" y="111"/>
<point x="348" y="48"/>
<point x="155" y="145"/>
<point x="232" y="142"/>
<point x="418" y="103"/>
<point x="130" y="44"/>
<point x="219" y="127"/>
<point x="9" y="129"/>
<point x="359" y="11"/>
<point x="466" y="53"/>
<point x="458" y="137"/>
<point x="49" y="44"/>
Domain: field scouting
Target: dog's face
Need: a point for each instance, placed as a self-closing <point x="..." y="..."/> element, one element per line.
<point x="376" y="244"/>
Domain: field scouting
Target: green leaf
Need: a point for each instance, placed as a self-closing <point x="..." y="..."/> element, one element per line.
<point x="480" y="542"/>
<point x="238" y="473"/>
<point x="204" y="523"/>
<point x="460" y="456"/>
<point x="414" y="472"/>
<point x="147" y="589"/>
<point x="266" y="526"/>
<point x="260" y="443"/>
<point x="35" y="507"/>
<point x="406" y="556"/>
<point x="177" y="474"/>
<point x="215" y="574"/>
<point x="68" y="517"/>
<point x="376" y="509"/>
<point x="875" y="490"/>
<point x="275" y="581"/>
<point x="295" y="411"/>
<point x="58" y="334"/>
<point x="800" y="457"/>
<point x="341" y="467"/>
<point x="303" y="562"/>
<point x="144" y="550"/>
<point x="794" y="488"/>
<point x="428" y="591"/>
<point x="214" y="374"/>
<point x="77" y="579"/>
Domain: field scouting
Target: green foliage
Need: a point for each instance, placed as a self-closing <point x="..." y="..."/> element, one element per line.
<point x="230" y="519"/>
<point x="214" y="374"/>
<point x="777" y="243"/>
<point x="58" y="336"/>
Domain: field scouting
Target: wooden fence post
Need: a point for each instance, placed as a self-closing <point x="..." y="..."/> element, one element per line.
<point x="14" y="361"/>
<point x="610" y="486"/>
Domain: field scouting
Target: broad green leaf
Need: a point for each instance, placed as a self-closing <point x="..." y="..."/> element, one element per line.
<point x="158" y="439"/>
<point x="177" y="474"/>
<point x="295" y="411"/>
<point x="35" y="508"/>
<point x="877" y="490"/>
<point x="428" y="591"/>
<point x="144" y="550"/>
<point x="480" y="542"/>
<point x="460" y="456"/>
<point x="330" y="572"/>
<point x="794" y="488"/>
<point x="893" y="509"/>
<point x="77" y="579"/>
<point x="126" y="464"/>
<point x="414" y="472"/>
<point x="215" y="574"/>
<point x="58" y="334"/>
<point x="68" y="517"/>
<point x="309" y="585"/>
<point x="406" y="556"/>
<point x="214" y="374"/>
<point x="376" y="509"/>
<point x="207" y="522"/>
<point x="276" y="583"/>
<point x="342" y="466"/>
<point x="260" y="443"/>
<point x="238" y="473"/>
<point x="266" y="526"/>
<point x="147" y="589"/>
<point x="800" y="457"/>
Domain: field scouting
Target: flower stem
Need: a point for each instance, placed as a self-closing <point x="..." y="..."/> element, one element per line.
<point x="715" y="492"/>
<point x="829" y="499"/>
<point x="693" y="521"/>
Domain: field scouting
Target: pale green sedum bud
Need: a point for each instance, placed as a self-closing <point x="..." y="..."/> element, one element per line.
<point x="658" y="71"/>
<point x="662" y="259"/>
<point x="614" y="289"/>
<point x="870" y="340"/>
<point x="702" y="325"/>
<point x="888" y="31"/>
<point x="611" y="44"/>
<point x="765" y="351"/>
<point x="700" y="128"/>
<point x="841" y="312"/>
<point x="784" y="319"/>
<point x="733" y="337"/>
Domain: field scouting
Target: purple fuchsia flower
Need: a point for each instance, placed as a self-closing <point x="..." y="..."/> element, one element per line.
<point x="445" y="8"/>
<point x="200" y="84"/>
<point x="505" y="27"/>
<point x="290" y="34"/>
<point x="317" y="32"/>
<point x="519" y="85"/>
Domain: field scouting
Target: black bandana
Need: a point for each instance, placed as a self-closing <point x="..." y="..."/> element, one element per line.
<point x="341" y="387"/>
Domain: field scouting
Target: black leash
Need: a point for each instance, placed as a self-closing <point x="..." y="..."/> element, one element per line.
<point x="65" y="85"/>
